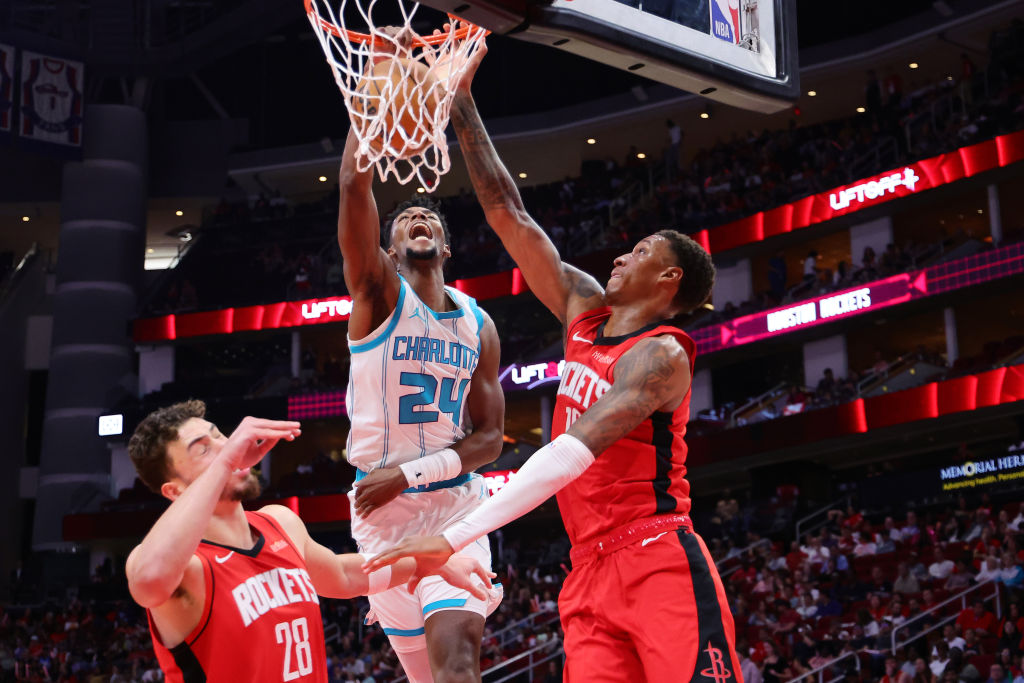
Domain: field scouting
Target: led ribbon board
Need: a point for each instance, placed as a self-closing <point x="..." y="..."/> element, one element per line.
<point x="911" y="179"/>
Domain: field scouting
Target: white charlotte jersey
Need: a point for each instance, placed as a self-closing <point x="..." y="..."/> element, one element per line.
<point x="409" y="380"/>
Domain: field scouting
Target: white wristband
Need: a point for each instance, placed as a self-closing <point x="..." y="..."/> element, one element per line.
<point x="540" y="477"/>
<point x="380" y="579"/>
<point x="445" y="464"/>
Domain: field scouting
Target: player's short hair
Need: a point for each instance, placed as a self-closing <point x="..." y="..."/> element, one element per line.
<point x="148" y="445"/>
<point x="698" y="270"/>
<point x="428" y="203"/>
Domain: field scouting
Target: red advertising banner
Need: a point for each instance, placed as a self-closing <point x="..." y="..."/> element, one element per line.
<point x="911" y="179"/>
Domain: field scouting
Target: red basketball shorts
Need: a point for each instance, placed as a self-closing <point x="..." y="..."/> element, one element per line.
<point x="654" y="610"/>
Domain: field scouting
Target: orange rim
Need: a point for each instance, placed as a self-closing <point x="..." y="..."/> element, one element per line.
<point x="366" y="38"/>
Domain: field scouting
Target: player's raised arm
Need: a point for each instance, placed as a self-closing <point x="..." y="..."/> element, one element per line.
<point x="156" y="567"/>
<point x="653" y="375"/>
<point x="564" y="289"/>
<point x="368" y="271"/>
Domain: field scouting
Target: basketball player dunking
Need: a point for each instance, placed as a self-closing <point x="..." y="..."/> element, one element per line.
<point x="424" y="370"/>
<point x="232" y="595"/>
<point x="643" y="601"/>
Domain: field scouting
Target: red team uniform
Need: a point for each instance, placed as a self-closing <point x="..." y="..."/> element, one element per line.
<point x="261" y="616"/>
<point x="643" y="601"/>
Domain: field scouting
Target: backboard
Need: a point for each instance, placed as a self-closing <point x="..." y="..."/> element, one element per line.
<point x="739" y="52"/>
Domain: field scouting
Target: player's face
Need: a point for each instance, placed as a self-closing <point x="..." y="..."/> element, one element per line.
<point x="198" y="444"/>
<point x="636" y="274"/>
<point x="417" y="234"/>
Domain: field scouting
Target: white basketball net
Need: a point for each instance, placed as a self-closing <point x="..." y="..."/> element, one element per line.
<point x="398" y="99"/>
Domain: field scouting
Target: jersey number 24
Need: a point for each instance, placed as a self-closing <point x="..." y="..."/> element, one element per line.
<point x="414" y="408"/>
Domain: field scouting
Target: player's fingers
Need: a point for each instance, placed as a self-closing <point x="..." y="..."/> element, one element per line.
<point x="261" y="423"/>
<point x="484" y="575"/>
<point x="383" y="560"/>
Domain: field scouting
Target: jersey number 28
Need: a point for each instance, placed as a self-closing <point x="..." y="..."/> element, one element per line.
<point x="294" y="635"/>
<point x="449" y="401"/>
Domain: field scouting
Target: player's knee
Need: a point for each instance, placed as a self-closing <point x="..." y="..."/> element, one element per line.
<point x="458" y="668"/>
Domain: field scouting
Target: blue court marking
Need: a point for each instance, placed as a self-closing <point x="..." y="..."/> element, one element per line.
<point x="404" y="631"/>
<point x="392" y="323"/>
<point x="440" y="604"/>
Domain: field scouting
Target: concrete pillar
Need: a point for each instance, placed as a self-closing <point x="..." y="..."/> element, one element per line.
<point x="875" y="234"/>
<point x="732" y="283"/>
<point x="546" y="406"/>
<point x="995" y="216"/>
<point x="92" y="364"/>
<point x="952" y="342"/>
<point x="156" y="368"/>
<point x="825" y="353"/>
<point x="701" y="397"/>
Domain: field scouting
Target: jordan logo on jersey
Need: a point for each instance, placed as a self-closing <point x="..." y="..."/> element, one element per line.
<point x="582" y="384"/>
<point x="277" y="587"/>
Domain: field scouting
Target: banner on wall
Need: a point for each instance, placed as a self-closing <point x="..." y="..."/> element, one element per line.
<point x="6" y="87"/>
<point x="51" y="99"/>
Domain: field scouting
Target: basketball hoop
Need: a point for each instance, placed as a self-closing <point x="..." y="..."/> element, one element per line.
<point x="398" y="95"/>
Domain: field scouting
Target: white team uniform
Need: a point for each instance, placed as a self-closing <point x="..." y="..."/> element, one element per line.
<point x="408" y="384"/>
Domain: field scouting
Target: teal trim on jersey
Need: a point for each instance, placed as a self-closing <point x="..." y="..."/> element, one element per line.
<point x="379" y="339"/>
<point x="435" y="486"/>
<point x="446" y="315"/>
<point x="477" y="313"/>
<point x="404" y="631"/>
<point x="441" y="604"/>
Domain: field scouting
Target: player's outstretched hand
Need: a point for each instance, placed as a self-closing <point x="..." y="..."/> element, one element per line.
<point x="458" y="571"/>
<point x="465" y="81"/>
<point x="253" y="439"/>
<point x="430" y="553"/>
<point x="379" y="487"/>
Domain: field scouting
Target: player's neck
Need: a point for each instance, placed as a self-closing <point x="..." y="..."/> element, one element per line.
<point x="229" y="526"/>
<point x="427" y="280"/>
<point x="627" y="318"/>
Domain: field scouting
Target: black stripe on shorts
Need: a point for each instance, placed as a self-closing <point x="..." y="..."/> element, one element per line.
<point x="714" y="660"/>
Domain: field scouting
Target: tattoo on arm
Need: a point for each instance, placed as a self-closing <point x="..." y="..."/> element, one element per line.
<point x="492" y="182"/>
<point x="646" y="378"/>
<point x="580" y="284"/>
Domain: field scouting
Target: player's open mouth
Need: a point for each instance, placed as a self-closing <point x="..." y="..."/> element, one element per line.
<point x="420" y="230"/>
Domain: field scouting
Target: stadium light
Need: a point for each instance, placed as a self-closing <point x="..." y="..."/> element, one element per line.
<point x="861" y="110"/>
<point x="641" y="155"/>
<point x="179" y="212"/>
<point x="913" y="65"/>
<point x="522" y="174"/>
<point x="591" y="141"/>
<point x="322" y="179"/>
<point x="420" y="190"/>
<point x="812" y="93"/>
<point x="25" y="219"/>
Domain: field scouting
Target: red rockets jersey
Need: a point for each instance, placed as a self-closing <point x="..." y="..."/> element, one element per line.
<point x="639" y="475"/>
<point x="261" y="617"/>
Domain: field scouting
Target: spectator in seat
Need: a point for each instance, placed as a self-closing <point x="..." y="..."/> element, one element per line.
<point x="878" y="583"/>
<point x="893" y="672"/>
<point x="1010" y="572"/>
<point x="910" y="533"/>
<point x="951" y="639"/>
<point x="972" y="645"/>
<point x="775" y="668"/>
<point x="905" y="582"/>
<point x="941" y="568"/>
<point x="865" y="546"/>
<point x="922" y="674"/>
<point x="978" y="619"/>
<point x="749" y="669"/>
<point x="940" y="658"/>
<point x="968" y="672"/>
<point x="997" y="674"/>
<point x="959" y="579"/>
<point x="816" y="553"/>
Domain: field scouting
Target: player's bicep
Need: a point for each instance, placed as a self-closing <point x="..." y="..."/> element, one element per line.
<point x="653" y="375"/>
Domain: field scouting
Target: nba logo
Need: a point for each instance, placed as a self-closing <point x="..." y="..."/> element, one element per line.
<point x="725" y="20"/>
